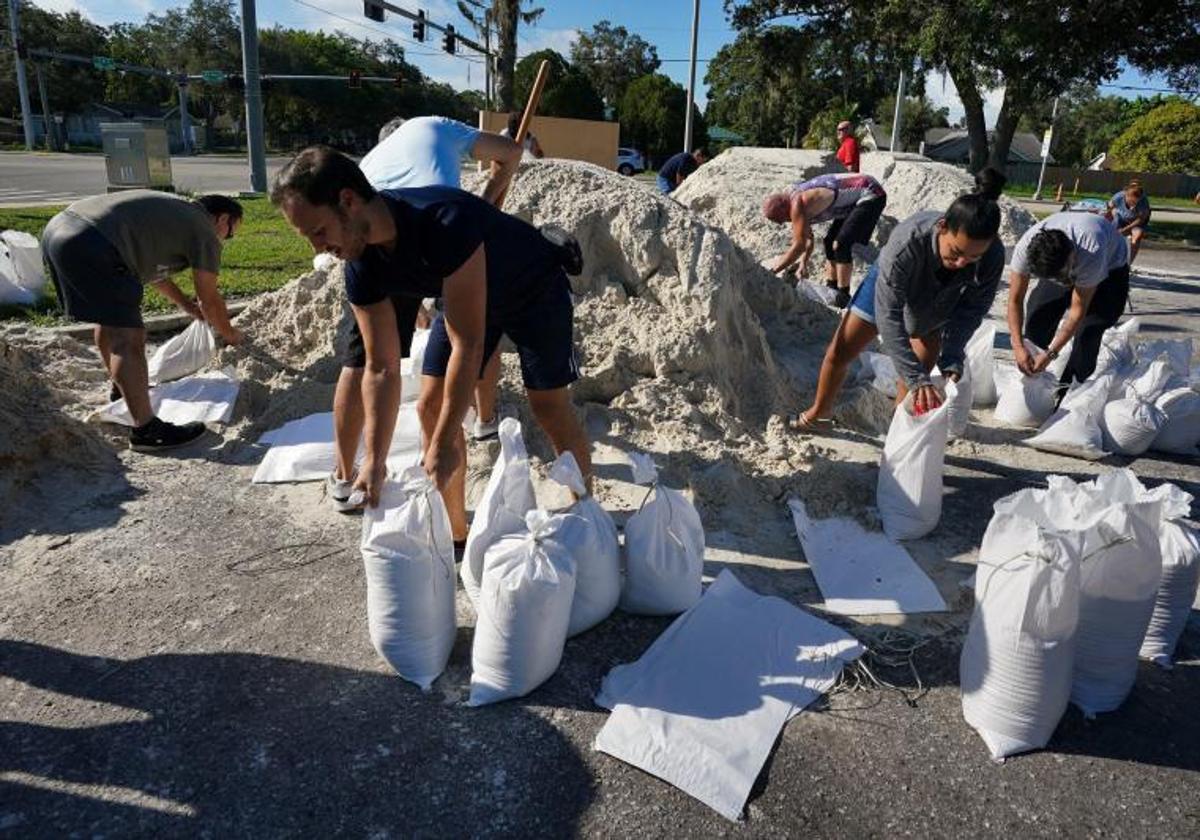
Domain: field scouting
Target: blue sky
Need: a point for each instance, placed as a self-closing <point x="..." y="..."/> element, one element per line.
<point x="664" y="23"/>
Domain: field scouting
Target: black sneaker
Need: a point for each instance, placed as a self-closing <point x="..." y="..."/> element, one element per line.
<point x="842" y="299"/>
<point x="158" y="435"/>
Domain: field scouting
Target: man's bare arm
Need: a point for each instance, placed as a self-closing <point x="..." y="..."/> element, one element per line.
<point x="505" y="156"/>
<point x="380" y="390"/>
<point x="213" y="305"/>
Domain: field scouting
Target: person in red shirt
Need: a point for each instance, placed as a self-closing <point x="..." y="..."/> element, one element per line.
<point x="847" y="151"/>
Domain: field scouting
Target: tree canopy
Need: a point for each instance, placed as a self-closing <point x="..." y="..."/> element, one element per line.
<point x="612" y="58"/>
<point x="1166" y="139"/>
<point x="652" y="116"/>
<point x="568" y="92"/>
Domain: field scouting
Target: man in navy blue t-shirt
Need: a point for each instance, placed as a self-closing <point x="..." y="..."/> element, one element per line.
<point x="679" y="167"/>
<point x="497" y="276"/>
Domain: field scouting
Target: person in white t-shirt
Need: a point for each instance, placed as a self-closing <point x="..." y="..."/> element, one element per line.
<point x="531" y="145"/>
<point x="1081" y="261"/>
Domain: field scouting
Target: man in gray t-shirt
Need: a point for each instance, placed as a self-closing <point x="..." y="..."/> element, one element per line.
<point x="1081" y="261"/>
<point x="103" y="251"/>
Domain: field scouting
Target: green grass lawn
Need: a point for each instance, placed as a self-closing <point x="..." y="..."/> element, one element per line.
<point x="1048" y="191"/>
<point x="264" y="255"/>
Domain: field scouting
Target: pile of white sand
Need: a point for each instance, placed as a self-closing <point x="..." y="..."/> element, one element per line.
<point x="38" y="438"/>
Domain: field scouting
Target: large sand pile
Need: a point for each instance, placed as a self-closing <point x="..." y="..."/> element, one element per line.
<point x="37" y="438"/>
<point x="729" y="191"/>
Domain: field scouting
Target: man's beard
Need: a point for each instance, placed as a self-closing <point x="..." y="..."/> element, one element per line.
<point x="354" y="231"/>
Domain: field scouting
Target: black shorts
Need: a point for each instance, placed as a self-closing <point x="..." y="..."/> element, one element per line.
<point x="855" y="228"/>
<point x="93" y="282"/>
<point x="542" y="332"/>
<point x="1049" y="301"/>
<point x="406" y="324"/>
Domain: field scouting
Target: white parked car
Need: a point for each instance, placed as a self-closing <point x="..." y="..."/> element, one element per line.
<point x="630" y="161"/>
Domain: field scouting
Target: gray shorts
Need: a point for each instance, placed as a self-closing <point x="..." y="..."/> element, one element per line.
<point x="93" y="283"/>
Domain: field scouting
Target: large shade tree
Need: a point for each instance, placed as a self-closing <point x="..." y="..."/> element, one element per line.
<point x="505" y="16"/>
<point x="612" y="57"/>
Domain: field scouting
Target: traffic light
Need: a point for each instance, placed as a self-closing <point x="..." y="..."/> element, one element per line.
<point x="448" y="40"/>
<point x="373" y="10"/>
<point x="419" y="26"/>
<point x="355" y="79"/>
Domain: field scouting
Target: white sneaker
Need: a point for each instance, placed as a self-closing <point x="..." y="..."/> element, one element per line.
<point x="341" y="494"/>
<point x="486" y="430"/>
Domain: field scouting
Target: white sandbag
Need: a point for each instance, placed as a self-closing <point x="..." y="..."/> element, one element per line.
<point x="207" y="397"/>
<point x="909" y="490"/>
<point x="1180" y="546"/>
<point x="22" y="277"/>
<point x="1177" y="352"/>
<point x="882" y="372"/>
<point x="1016" y="663"/>
<point x="1074" y="428"/>
<point x="184" y="354"/>
<point x="1131" y="424"/>
<point x="408" y="556"/>
<point x="597" y="551"/>
<point x="1117" y="354"/>
<point x="818" y="292"/>
<point x="1025" y="400"/>
<point x="506" y="500"/>
<point x="959" y="410"/>
<point x="524" y="609"/>
<point x="1180" y="434"/>
<point x="664" y="548"/>
<point x="410" y="368"/>
<point x="1120" y="573"/>
<point x="981" y="359"/>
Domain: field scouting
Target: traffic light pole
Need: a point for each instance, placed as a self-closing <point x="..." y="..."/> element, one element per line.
<point x="445" y="30"/>
<point x="254" y="119"/>
<point x="691" y="91"/>
<point x="22" y="81"/>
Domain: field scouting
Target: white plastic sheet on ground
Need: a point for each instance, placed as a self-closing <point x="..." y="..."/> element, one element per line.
<point x="303" y="449"/>
<point x="506" y="499"/>
<point x="1016" y="664"/>
<point x="1025" y="400"/>
<point x="408" y="556"/>
<point x="909" y="491"/>
<point x="981" y="358"/>
<point x="1122" y="566"/>
<point x="1131" y="424"/>
<point x="1180" y="434"/>
<point x="862" y="572"/>
<point x="204" y="398"/>
<point x="1074" y="428"/>
<point x="705" y="703"/>
<point x="1179" y="543"/>
<point x="524" y="609"/>
<point x="882" y="371"/>
<point x="183" y="354"/>
<point x="597" y="551"/>
<point x="664" y="549"/>
<point x="21" y="275"/>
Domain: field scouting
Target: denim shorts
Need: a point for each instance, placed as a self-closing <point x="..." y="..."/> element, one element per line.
<point x="863" y="302"/>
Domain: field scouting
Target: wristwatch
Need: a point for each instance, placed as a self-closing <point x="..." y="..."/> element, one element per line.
<point x="1051" y="354"/>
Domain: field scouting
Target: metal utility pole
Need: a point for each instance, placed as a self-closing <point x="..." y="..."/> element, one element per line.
<point x="691" y="91"/>
<point x="898" y="115"/>
<point x="22" y="82"/>
<point x="51" y="140"/>
<point x="487" y="59"/>
<point x="254" y="120"/>
<point x="1037" y="194"/>
<point x="185" y="119"/>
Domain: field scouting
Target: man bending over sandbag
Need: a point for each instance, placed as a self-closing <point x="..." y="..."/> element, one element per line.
<point x="1081" y="261"/>
<point x="853" y="202"/>
<point x="926" y="295"/>
<point x="420" y="152"/>
<point x="102" y="251"/>
<point x="497" y="274"/>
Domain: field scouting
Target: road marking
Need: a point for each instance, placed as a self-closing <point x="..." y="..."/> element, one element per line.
<point x="17" y="197"/>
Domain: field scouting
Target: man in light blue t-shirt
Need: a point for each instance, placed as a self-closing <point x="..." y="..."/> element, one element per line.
<point x="1131" y="214"/>
<point x="418" y="152"/>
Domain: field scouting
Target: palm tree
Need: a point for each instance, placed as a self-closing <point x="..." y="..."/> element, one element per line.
<point x="505" y="15"/>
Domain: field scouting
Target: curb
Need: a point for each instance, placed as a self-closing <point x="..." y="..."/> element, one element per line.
<point x="167" y="322"/>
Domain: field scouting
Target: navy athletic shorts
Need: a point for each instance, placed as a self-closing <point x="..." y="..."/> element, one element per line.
<point x="93" y="282"/>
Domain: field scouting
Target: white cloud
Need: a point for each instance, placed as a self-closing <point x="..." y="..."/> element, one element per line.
<point x="532" y="39"/>
<point x="940" y="90"/>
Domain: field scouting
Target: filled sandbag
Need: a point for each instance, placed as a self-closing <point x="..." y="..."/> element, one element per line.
<point x="981" y="359"/>
<point x="1016" y="663"/>
<point x="664" y="548"/>
<point x="908" y="493"/>
<point x="1026" y="401"/>
<point x="959" y="410"/>
<point x="595" y="547"/>
<point x="1132" y="423"/>
<point x="408" y="557"/>
<point x="1176" y="352"/>
<point x="1074" y="428"/>
<point x="501" y="511"/>
<point x="183" y="354"/>
<point x="410" y="368"/>
<point x="524" y="609"/>
<point x="1180" y="432"/>
<point x="1179" y="543"/>
<point x="1117" y="351"/>
<point x="22" y="277"/>
<point x="1120" y="573"/>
